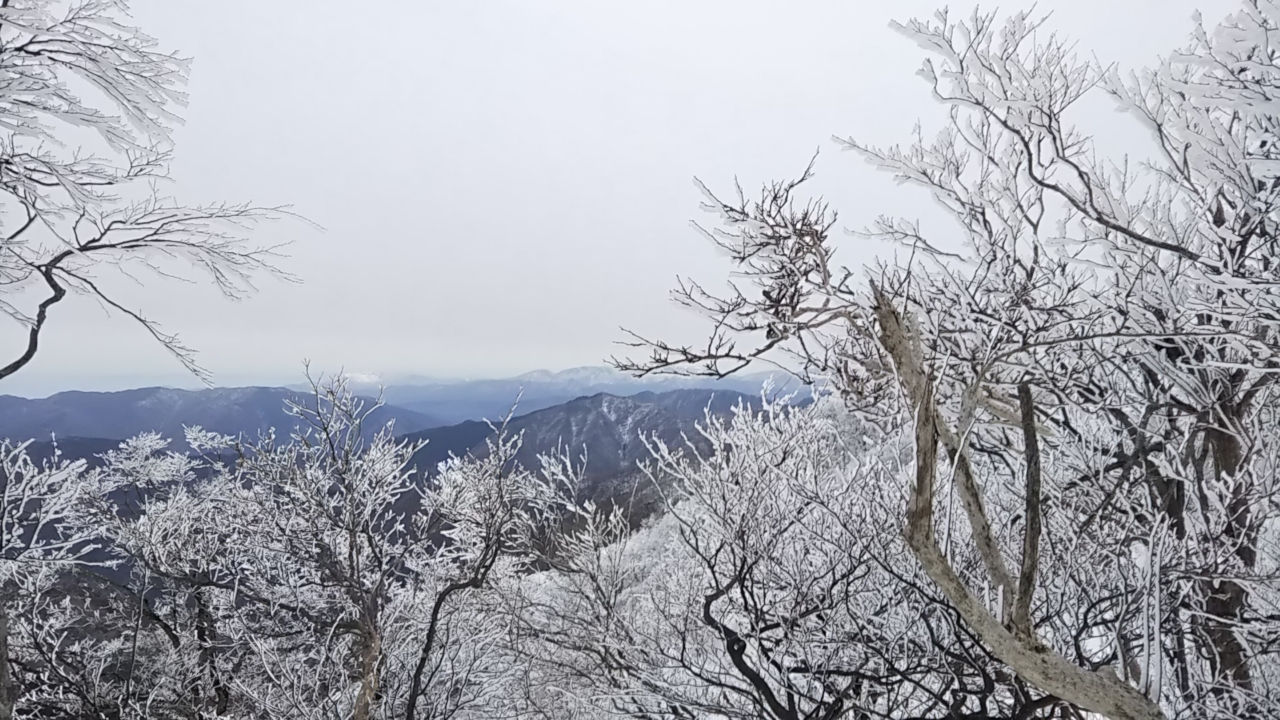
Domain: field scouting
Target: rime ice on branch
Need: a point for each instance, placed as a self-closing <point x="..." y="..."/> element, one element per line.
<point x="1089" y="360"/>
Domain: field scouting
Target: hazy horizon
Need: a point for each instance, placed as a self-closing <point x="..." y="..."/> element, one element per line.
<point x="363" y="380"/>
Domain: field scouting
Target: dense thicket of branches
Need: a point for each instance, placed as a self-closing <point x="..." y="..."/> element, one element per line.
<point x="301" y="577"/>
<point x="1041" y="484"/>
<point x="87" y="103"/>
<point x="1087" y="358"/>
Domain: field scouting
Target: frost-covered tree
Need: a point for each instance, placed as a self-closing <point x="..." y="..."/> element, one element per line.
<point x="1087" y="358"/>
<point x="39" y="540"/>
<point x="87" y="105"/>
<point x="316" y="576"/>
<point x="773" y="587"/>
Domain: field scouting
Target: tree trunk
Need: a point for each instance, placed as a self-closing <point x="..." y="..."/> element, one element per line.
<point x="1095" y="691"/>
<point x="1226" y="600"/>
<point x="207" y="636"/>
<point x="370" y="655"/>
<point x="8" y="690"/>
<point x="1100" y="692"/>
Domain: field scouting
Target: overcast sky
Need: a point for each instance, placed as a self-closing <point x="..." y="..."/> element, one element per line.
<point x="502" y="184"/>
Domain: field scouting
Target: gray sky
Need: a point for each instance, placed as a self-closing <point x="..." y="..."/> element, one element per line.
<point x="503" y="184"/>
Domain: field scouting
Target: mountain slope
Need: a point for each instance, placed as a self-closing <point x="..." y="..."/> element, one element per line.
<point x="610" y="429"/>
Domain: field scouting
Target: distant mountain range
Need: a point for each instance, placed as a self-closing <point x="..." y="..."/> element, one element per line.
<point x="557" y="411"/>
<point x="244" y="411"/>
<point x="454" y="401"/>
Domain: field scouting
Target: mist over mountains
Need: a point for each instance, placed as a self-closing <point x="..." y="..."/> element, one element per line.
<point x="454" y="401"/>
